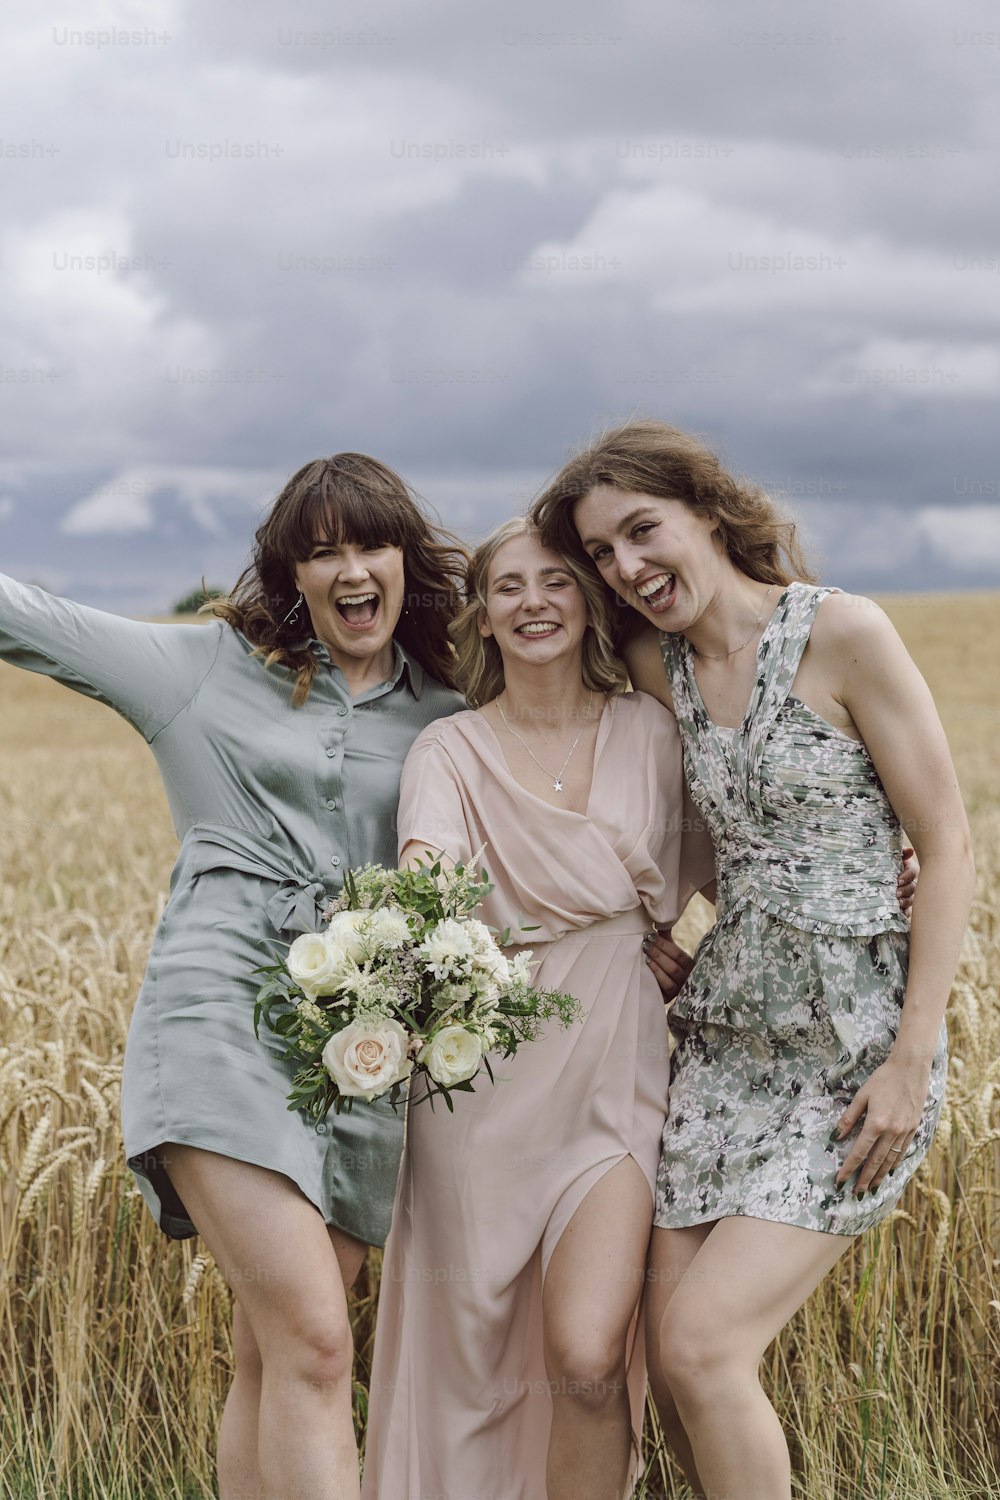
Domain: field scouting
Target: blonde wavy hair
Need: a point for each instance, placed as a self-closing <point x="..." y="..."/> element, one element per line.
<point x="479" y="665"/>
<point x="646" y="457"/>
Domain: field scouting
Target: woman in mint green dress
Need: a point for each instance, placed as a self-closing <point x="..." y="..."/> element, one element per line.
<point x="809" y="1070"/>
<point x="280" y="730"/>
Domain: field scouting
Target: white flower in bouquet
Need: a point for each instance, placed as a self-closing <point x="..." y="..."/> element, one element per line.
<point x="389" y="929"/>
<point x="494" y="968"/>
<point x="452" y="995"/>
<point x="366" y="1059"/>
<point x="480" y="936"/>
<point x="316" y="964"/>
<point x="374" y="995"/>
<point x="312" y="1015"/>
<point x="446" y="949"/>
<point x="452" y="1055"/>
<point x="520" y="966"/>
<point x="347" y="930"/>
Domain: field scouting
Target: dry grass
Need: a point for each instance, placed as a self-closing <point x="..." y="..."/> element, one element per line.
<point x="115" y="1350"/>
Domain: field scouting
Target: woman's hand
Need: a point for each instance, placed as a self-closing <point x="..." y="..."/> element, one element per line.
<point x="906" y="885"/>
<point x="892" y="1102"/>
<point x="670" y="964"/>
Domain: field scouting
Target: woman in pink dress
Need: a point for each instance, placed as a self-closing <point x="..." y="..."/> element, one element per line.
<point x="508" y="1358"/>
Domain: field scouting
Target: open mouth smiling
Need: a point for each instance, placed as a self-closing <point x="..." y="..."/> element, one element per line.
<point x="536" y="628"/>
<point x="658" y="592"/>
<point x="358" y="609"/>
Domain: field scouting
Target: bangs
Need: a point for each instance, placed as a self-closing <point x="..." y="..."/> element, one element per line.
<point x="334" y="506"/>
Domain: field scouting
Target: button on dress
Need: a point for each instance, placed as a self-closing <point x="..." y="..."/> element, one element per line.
<point x="271" y="805"/>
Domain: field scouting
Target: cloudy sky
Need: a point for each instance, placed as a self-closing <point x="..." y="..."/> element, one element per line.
<point x="236" y="236"/>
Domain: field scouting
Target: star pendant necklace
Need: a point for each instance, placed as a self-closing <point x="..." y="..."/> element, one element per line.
<point x="557" y="784"/>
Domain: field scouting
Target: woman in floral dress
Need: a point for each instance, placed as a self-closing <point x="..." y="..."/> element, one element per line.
<point x="810" y="1064"/>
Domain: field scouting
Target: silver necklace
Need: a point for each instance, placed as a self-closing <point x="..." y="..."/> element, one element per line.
<point x="721" y="655"/>
<point x="557" y="784"/>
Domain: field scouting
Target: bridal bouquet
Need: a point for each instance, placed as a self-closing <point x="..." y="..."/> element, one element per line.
<point x="403" y="981"/>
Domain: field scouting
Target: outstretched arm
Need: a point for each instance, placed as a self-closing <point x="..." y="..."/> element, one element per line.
<point x="145" y="672"/>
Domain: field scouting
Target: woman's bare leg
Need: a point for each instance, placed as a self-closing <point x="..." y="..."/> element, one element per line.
<point x="671" y="1252"/>
<point x="740" y="1289"/>
<point x="275" y="1251"/>
<point x="592" y="1286"/>
<point x="239" y="1467"/>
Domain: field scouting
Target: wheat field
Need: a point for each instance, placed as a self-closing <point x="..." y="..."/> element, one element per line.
<point x="115" y="1351"/>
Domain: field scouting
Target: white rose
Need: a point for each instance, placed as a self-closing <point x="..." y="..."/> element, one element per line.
<point x="389" y="928"/>
<point x="452" y="1056"/>
<point x="316" y="964"/>
<point x="364" y="1061"/>
<point x="346" y="930"/>
<point x="479" y="935"/>
<point x="448" y="946"/>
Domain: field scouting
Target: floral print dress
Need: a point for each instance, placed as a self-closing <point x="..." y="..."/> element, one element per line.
<point x="795" y="995"/>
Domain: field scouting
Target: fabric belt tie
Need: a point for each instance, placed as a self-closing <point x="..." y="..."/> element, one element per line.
<point x="296" y="904"/>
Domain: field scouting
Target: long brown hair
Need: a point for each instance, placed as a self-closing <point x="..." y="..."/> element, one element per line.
<point x="479" y="665"/>
<point x="646" y="457"/>
<point x="349" y="497"/>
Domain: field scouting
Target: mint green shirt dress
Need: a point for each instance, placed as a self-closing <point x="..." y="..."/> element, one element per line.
<point x="271" y="805"/>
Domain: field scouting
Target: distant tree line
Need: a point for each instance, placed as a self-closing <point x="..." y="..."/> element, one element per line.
<point x="192" y="602"/>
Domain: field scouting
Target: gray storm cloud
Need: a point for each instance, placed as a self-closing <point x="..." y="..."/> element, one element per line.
<point x="464" y="241"/>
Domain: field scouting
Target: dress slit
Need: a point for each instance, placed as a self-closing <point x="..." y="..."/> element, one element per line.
<point x="577" y="1192"/>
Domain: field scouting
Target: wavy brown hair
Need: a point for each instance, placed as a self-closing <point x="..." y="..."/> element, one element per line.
<point x="651" y="458"/>
<point x="347" y="498"/>
<point x="479" y="665"/>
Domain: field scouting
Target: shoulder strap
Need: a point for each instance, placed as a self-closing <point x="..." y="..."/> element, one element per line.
<point x="677" y="661"/>
<point x="785" y="640"/>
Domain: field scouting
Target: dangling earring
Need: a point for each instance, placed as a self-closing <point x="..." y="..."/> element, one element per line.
<point x="293" y="611"/>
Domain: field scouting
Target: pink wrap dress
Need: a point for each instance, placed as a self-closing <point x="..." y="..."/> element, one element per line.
<point x="461" y="1403"/>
